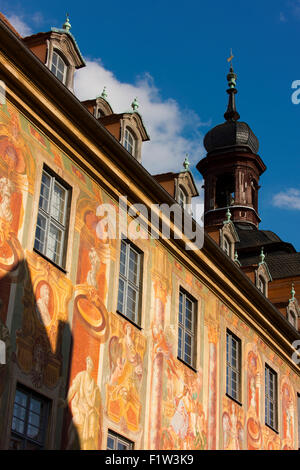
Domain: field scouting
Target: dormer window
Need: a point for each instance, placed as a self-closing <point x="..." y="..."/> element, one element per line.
<point x="262" y="284"/>
<point x="59" y="67"/>
<point x="292" y="318"/>
<point x="227" y="245"/>
<point x="182" y="198"/>
<point x="129" y="141"/>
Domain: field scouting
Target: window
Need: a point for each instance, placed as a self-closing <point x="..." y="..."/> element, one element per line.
<point x="52" y="221"/>
<point x="117" y="442"/>
<point x="182" y="199"/>
<point x="187" y="328"/>
<point x="292" y="318"/>
<point x="270" y="397"/>
<point x="262" y="284"/>
<point x="30" y="420"/>
<point x="226" y="245"/>
<point x="130" y="281"/>
<point x="129" y="142"/>
<point x="233" y="366"/>
<point x="59" y="67"/>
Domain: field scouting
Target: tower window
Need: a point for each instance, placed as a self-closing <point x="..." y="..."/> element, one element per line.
<point x="225" y="188"/>
<point x="129" y="142"/>
<point x="59" y="67"/>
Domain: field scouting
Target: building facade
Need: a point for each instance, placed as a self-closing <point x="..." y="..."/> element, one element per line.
<point x="132" y="342"/>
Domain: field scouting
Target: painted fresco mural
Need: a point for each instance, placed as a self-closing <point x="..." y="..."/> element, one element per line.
<point x="114" y="375"/>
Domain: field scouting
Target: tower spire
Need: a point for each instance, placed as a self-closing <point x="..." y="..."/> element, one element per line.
<point x="231" y="112"/>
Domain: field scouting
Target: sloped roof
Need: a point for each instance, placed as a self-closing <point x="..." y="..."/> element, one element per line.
<point x="5" y="20"/>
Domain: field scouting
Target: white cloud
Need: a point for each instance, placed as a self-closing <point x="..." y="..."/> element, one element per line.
<point x="19" y="24"/>
<point x="289" y="199"/>
<point x="167" y="125"/>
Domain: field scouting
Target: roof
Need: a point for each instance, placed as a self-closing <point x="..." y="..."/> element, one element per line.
<point x="5" y="20"/>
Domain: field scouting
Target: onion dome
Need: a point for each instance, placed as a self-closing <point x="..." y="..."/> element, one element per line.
<point x="232" y="134"/>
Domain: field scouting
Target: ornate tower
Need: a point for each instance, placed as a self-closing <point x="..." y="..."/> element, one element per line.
<point x="231" y="168"/>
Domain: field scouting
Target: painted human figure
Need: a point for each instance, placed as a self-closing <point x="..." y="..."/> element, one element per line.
<point x="95" y="261"/>
<point x="84" y="396"/>
<point x="42" y="305"/>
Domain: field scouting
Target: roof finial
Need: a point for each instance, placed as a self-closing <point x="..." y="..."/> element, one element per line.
<point x="135" y="105"/>
<point x="228" y="217"/>
<point x="231" y="112"/>
<point x="261" y="256"/>
<point x="67" y="24"/>
<point x="104" y="93"/>
<point x="186" y="163"/>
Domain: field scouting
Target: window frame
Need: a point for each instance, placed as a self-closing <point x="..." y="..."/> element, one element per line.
<point x="192" y="332"/>
<point x="118" y="438"/>
<point x="45" y="418"/>
<point x="271" y="399"/>
<point x="66" y="66"/>
<point x="292" y="318"/>
<point x="182" y="201"/>
<point x="127" y="143"/>
<point x="136" y="286"/>
<point x="50" y="220"/>
<point x="262" y="284"/>
<point x="231" y="369"/>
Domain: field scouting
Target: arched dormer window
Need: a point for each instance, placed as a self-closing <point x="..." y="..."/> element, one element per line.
<point x="292" y="318"/>
<point x="261" y="284"/>
<point x="182" y="197"/>
<point x="59" y="67"/>
<point x="129" y="141"/>
<point x="227" y="245"/>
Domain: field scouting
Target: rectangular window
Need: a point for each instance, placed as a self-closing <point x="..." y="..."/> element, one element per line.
<point x="30" y="420"/>
<point x="52" y="221"/>
<point x="187" y="328"/>
<point x="271" y="397"/>
<point x="233" y="366"/>
<point x="117" y="442"/>
<point x="130" y="281"/>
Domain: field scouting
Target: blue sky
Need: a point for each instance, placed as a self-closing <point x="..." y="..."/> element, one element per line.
<point x="172" y="56"/>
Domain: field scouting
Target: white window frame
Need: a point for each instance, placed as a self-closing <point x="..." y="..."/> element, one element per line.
<point x="262" y="284"/>
<point x="130" y="146"/>
<point x="126" y="248"/>
<point x="292" y="317"/>
<point x="271" y="399"/>
<point x="116" y="438"/>
<point x="51" y="221"/>
<point x="182" y="197"/>
<point x="227" y="245"/>
<point x="185" y="331"/>
<point x="54" y="67"/>
<point x="233" y="366"/>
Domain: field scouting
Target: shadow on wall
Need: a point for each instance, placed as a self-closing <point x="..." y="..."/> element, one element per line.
<point x="38" y="343"/>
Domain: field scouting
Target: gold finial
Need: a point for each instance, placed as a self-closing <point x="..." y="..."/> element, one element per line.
<point x="231" y="57"/>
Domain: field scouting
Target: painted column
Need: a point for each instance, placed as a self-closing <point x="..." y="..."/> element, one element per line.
<point x="213" y="336"/>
